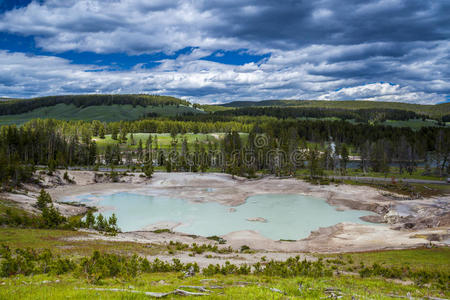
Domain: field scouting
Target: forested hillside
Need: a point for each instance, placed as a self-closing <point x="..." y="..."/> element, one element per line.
<point x="438" y="110"/>
<point x="17" y="106"/>
<point x="358" y="115"/>
<point x="105" y="108"/>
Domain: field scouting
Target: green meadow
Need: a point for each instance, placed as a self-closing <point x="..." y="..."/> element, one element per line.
<point x="164" y="139"/>
<point x="103" y="113"/>
<point x="419" y="273"/>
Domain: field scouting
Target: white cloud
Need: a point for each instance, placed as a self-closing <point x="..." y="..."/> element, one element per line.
<point x="382" y="92"/>
<point x="132" y="26"/>
<point x="202" y="81"/>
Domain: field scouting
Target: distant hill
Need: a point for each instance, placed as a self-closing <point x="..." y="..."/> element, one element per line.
<point x="435" y="111"/>
<point x="105" y="108"/>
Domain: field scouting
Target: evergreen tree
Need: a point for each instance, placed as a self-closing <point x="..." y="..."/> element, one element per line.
<point x="114" y="132"/>
<point x="112" y="224"/>
<point x="139" y="151"/>
<point x="51" y="166"/>
<point x="344" y="159"/>
<point x="148" y="169"/>
<point x="101" y="132"/>
<point x="90" y="219"/>
<point x="52" y="218"/>
<point x="101" y="224"/>
<point x="43" y="200"/>
<point x="313" y="162"/>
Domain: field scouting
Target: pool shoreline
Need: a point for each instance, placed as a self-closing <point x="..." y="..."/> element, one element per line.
<point x="429" y="214"/>
<point x="275" y="216"/>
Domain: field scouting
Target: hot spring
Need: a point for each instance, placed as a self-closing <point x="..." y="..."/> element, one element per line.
<point x="275" y="216"/>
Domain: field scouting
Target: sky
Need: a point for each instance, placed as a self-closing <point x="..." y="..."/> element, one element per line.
<point x="209" y="51"/>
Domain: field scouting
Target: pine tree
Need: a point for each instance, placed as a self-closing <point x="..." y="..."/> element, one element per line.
<point x="101" y="223"/>
<point x="90" y="219"/>
<point x="313" y="162"/>
<point x="139" y="150"/>
<point x="344" y="159"/>
<point x="148" y="169"/>
<point x="114" y="132"/>
<point x="101" y="132"/>
<point x="52" y="218"/>
<point x="43" y="199"/>
<point x="112" y="224"/>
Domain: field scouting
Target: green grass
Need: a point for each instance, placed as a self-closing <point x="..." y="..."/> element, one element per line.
<point x="394" y="172"/>
<point x="165" y="140"/>
<point x="57" y="241"/>
<point x="234" y="287"/>
<point x="413" y="124"/>
<point x="434" y="259"/>
<point x="77" y="286"/>
<point x="104" y="113"/>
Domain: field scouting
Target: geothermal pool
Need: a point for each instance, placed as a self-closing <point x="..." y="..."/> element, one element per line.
<point x="289" y="217"/>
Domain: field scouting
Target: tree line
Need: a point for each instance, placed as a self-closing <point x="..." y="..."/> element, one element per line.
<point x="358" y="115"/>
<point x="315" y="143"/>
<point x="25" y="105"/>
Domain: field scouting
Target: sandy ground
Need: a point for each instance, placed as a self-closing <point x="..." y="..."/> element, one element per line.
<point x="409" y="223"/>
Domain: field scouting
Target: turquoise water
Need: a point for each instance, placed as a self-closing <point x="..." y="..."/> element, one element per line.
<point x="288" y="216"/>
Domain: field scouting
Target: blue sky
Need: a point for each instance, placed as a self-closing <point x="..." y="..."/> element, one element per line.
<point x="210" y="51"/>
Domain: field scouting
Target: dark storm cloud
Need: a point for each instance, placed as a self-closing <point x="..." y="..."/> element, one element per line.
<point x="294" y="24"/>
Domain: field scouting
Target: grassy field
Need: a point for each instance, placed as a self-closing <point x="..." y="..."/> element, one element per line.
<point x="413" y="124"/>
<point x="416" y="259"/>
<point x="164" y="139"/>
<point x="104" y="113"/>
<point x="220" y="287"/>
<point x="345" y="282"/>
<point x="394" y="172"/>
<point x="431" y="110"/>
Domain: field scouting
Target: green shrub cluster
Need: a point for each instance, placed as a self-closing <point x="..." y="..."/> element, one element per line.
<point x="29" y="261"/>
<point x="100" y="266"/>
<point x="100" y="223"/>
<point x="227" y="269"/>
<point x="198" y="249"/>
<point x="217" y="239"/>
<point x="292" y="267"/>
<point x="106" y="265"/>
<point x="94" y="268"/>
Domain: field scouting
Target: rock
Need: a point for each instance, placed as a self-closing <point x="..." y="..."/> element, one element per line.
<point x="277" y="291"/>
<point x="373" y="219"/>
<point x="257" y="219"/>
<point x="189" y="273"/>
<point x="409" y="225"/>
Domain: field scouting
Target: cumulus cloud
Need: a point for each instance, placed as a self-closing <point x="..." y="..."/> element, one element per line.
<point x="381" y="91"/>
<point x="139" y="26"/>
<point x="205" y="81"/>
<point x="318" y="49"/>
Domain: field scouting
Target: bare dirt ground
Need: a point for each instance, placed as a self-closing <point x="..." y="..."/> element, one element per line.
<point x="409" y="223"/>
